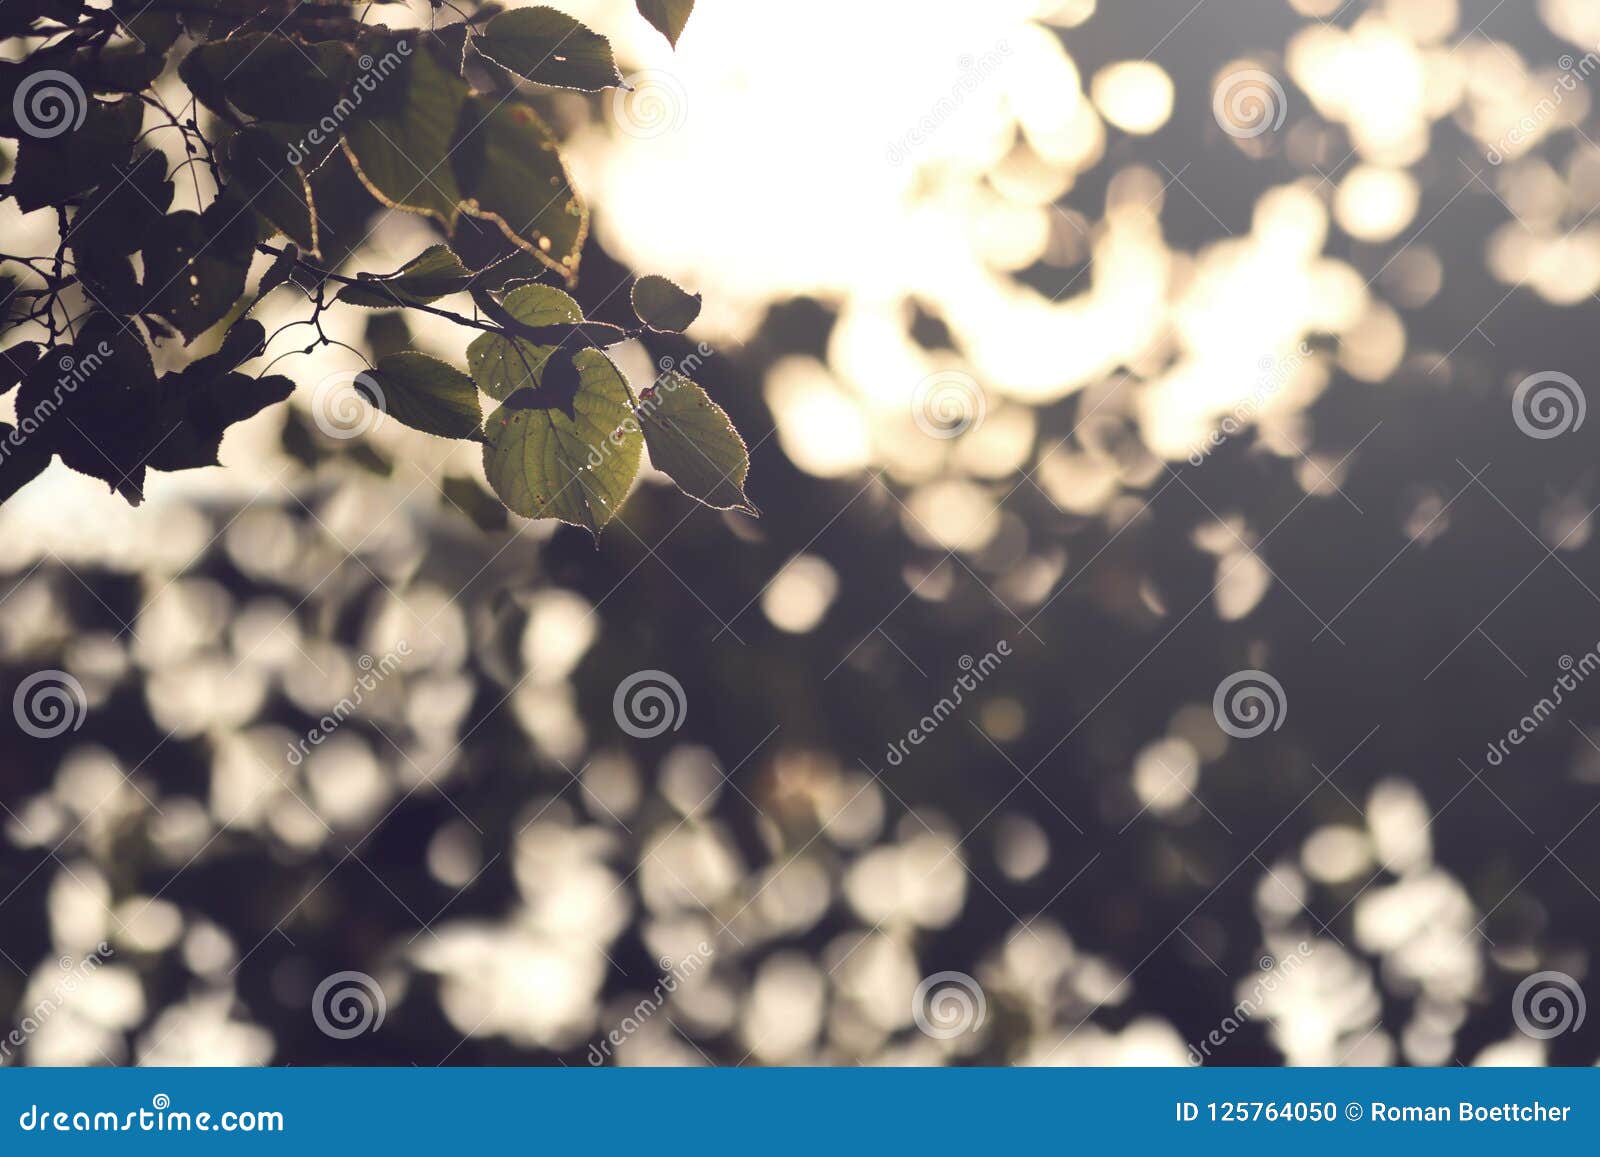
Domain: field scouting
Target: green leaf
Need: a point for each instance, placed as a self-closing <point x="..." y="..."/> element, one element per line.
<point x="511" y="173"/>
<point x="428" y="395"/>
<point x="274" y="188"/>
<point x="572" y="461"/>
<point x="401" y="144"/>
<point x="542" y="305"/>
<point x="269" y="77"/>
<point x="52" y="169"/>
<point x="668" y="16"/>
<point x="692" y="441"/>
<point x="434" y="273"/>
<point x="195" y="266"/>
<point x="503" y="365"/>
<point x="470" y="498"/>
<point x="664" y="307"/>
<point x="549" y="47"/>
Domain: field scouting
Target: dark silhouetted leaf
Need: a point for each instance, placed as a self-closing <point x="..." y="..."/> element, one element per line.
<point x="428" y="395"/>
<point x="17" y="15"/>
<point x="195" y="266"/>
<point x="22" y="459"/>
<point x="281" y="269"/>
<point x="668" y="16"/>
<point x="91" y="404"/>
<point x="692" y="442"/>
<point x="664" y="307"/>
<point x="52" y="170"/>
<point x="16" y="362"/>
<point x="269" y="77"/>
<point x="119" y="217"/>
<point x="576" y="466"/>
<point x="549" y="47"/>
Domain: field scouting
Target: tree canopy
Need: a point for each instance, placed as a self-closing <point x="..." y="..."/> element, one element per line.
<point x="302" y="122"/>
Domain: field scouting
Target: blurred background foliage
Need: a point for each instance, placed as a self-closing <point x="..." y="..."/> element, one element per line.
<point x="1041" y="203"/>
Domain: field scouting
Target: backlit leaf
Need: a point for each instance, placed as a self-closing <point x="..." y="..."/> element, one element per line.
<point x="508" y="168"/>
<point x="434" y="273"/>
<point x="428" y="395"/>
<point x="549" y="47"/>
<point x="573" y="462"/>
<point x="692" y="441"/>
<point x="400" y="144"/>
<point x="664" y="307"/>
<point x="668" y="16"/>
